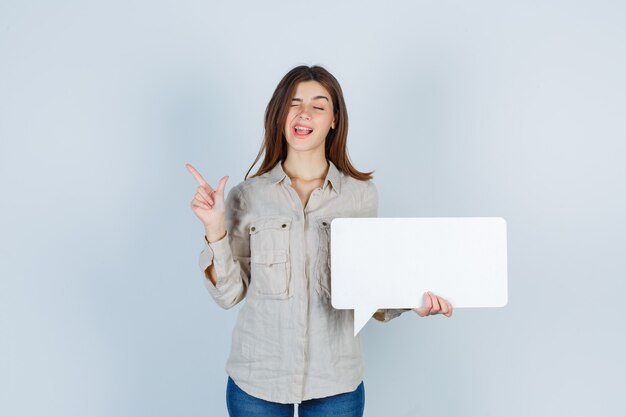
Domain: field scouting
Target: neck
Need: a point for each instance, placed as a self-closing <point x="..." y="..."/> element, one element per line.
<point x="305" y="167"/>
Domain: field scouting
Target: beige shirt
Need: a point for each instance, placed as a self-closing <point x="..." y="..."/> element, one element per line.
<point x="289" y="344"/>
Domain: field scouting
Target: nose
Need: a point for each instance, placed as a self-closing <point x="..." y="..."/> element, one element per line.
<point x="304" y="115"/>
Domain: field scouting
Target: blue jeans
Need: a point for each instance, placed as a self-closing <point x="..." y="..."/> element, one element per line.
<point x="347" y="404"/>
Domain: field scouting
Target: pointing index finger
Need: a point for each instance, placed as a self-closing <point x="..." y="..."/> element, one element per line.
<point x="196" y="174"/>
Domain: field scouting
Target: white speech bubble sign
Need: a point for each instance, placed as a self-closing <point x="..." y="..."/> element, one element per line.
<point x="391" y="262"/>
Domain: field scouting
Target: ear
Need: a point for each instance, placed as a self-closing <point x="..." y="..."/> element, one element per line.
<point x="332" y="125"/>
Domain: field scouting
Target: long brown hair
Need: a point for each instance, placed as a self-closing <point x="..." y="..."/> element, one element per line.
<point x="274" y="142"/>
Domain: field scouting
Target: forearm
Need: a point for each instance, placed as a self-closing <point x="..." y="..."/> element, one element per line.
<point x="211" y="275"/>
<point x="226" y="276"/>
<point x="388" y="314"/>
<point x="379" y="315"/>
<point x="210" y="271"/>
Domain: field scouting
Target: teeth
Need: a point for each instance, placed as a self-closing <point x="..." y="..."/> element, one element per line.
<point x="303" y="128"/>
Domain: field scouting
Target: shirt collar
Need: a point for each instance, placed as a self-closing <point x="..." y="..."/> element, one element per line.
<point x="277" y="174"/>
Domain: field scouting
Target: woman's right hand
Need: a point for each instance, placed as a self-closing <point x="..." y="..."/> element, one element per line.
<point x="208" y="205"/>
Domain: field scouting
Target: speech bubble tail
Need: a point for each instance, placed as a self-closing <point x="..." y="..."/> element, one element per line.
<point x="361" y="317"/>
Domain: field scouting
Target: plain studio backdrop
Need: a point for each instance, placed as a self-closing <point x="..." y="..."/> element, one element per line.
<point x="479" y="108"/>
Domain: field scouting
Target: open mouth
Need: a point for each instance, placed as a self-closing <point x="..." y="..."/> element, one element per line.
<point x="301" y="131"/>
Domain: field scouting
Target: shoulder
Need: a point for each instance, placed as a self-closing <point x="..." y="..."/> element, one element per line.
<point x="360" y="190"/>
<point x="247" y="188"/>
<point x="365" y="196"/>
<point x="370" y="194"/>
<point x="370" y="187"/>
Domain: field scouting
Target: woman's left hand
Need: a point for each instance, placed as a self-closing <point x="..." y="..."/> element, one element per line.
<point x="434" y="305"/>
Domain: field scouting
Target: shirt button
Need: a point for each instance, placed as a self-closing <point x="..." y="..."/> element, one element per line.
<point x="253" y="228"/>
<point x="324" y="223"/>
<point x="284" y="225"/>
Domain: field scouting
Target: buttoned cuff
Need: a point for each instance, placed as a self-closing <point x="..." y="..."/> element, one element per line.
<point x="214" y="252"/>
<point x="220" y="248"/>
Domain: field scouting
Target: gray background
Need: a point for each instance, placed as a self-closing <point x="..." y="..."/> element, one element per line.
<point x="464" y="108"/>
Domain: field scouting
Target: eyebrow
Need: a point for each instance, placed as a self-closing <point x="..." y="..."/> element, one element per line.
<point x="314" y="98"/>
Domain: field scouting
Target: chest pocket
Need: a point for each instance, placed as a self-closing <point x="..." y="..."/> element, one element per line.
<point x="270" y="266"/>
<point x="322" y="266"/>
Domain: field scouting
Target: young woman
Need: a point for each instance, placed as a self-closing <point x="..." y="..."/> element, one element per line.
<point x="268" y="242"/>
